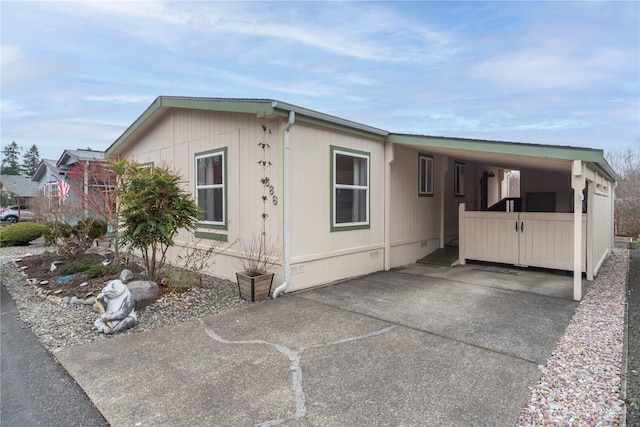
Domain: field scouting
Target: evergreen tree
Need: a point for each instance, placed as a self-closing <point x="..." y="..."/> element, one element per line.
<point x="30" y="161"/>
<point x="10" y="155"/>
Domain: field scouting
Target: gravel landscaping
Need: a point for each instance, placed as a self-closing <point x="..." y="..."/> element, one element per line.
<point x="633" y="334"/>
<point x="58" y="324"/>
<point x="580" y="384"/>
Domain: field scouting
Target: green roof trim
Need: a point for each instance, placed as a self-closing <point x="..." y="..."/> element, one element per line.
<point x="269" y="107"/>
<point x="590" y="155"/>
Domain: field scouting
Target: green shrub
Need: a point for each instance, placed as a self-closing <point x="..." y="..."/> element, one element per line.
<point x="79" y="265"/>
<point x="100" y="270"/>
<point x="71" y="241"/>
<point x="57" y="230"/>
<point x="94" y="228"/>
<point x="21" y="233"/>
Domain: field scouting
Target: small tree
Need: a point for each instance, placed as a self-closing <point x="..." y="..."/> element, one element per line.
<point x="30" y="161"/>
<point x="153" y="208"/>
<point x="10" y="156"/>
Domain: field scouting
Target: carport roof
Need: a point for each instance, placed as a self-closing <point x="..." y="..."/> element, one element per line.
<point x="509" y="155"/>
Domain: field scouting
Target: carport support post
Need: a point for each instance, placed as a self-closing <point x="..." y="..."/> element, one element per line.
<point x="577" y="183"/>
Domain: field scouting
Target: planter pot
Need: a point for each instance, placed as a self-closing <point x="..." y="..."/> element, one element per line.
<point x="254" y="288"/>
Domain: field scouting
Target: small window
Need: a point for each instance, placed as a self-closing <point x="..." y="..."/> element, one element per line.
<point x="425" y="175"/>
<point x="210" y="186"/>
<point x="350" y="188"/>
<point x="458" y="182"/>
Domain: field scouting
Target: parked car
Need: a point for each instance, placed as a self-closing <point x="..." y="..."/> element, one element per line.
<point x="13" y="214"/>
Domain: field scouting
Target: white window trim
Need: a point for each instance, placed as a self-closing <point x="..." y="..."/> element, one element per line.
<point x="423" y="159"/>
<point x="215" y="153"/>
<point x="336" y="186"/>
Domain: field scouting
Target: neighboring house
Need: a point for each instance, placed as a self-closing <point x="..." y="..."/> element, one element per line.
<point x="20" y="187"/>
<point x="355" y="199"/>
<point x="50" y="172"/>
<point x="45" y="176"/>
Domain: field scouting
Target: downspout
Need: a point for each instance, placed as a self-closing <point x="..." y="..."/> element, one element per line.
<point x="285" y="205"/>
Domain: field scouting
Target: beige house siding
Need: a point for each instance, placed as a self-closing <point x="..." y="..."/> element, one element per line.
<point x="319" y="255"/>
<point x="403" y="226"/>
<point x="599" y="243"/>
<point x="415" y="220"/>
<point x="451" y="202"/>
<point x="180" y="135"/>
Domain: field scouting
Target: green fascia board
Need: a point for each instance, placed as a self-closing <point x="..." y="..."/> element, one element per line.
<point x="267" y="107"/>
<point x="260" y="108"/>
<point x="590" y="155"/>
<point x="248" y="106"/>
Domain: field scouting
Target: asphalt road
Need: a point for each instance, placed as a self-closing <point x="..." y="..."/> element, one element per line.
<point x="35" y="390"/>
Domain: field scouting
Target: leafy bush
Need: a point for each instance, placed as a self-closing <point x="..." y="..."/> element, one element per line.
<point x="93" y="228"/>
<point x="74" y="240"/>
<point x="100" y="270"/>
<point x="55" y="230"/>
<point x="21" y="233"/>
<point x="79" y="265"/>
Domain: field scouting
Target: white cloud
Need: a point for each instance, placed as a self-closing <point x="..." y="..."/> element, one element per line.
<point x="13" y="109"/>
<point x="542" y="68"/>
<point x="120" y="98"/>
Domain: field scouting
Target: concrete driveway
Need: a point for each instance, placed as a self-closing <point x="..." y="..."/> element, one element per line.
<point x="414" y="346"/>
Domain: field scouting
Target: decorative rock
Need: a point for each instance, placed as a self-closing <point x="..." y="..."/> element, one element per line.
<point x="44" y="282"/>
<point x="59" y="291"/>
<point x="126" y="276"/>
<point x="105" y="252"/>
<point x="87" y="295"/>
<point x="24" y="267"/>
<point x="75" y="300"/>
<point x="144" y="292"/>
<point x="55" y="300"/>
<point x="89" y="301"/>
<point x="83" y="284"/>
<point x="66" y="300"/>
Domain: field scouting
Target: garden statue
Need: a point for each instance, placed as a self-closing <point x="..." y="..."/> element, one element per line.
<point x="117" y="308"/>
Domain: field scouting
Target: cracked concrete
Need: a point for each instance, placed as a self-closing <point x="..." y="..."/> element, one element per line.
<point x="386" y="349"/>
<point x="294" y="358"/>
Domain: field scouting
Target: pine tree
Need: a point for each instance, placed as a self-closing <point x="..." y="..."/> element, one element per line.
<point x="30" y="161"/>
<point x="10" y="155"/>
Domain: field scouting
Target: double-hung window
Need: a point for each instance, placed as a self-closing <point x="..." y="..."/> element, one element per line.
<point x="425" y="166"/>
<point x="210" y="186"/>
<point x="350" y="188"/>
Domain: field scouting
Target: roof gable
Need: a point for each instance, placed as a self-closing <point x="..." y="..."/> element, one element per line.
<point x="69" y="157"/>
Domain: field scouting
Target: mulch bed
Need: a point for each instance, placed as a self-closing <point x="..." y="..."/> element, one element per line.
<point x="79" y="285"/>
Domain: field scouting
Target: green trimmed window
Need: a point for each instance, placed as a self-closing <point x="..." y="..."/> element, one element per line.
<point x="425" y="175"/>
<point x="211" y="186"/>
<point x="350" y="188"/>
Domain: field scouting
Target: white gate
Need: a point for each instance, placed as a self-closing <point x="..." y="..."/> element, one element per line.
<point x="528" y="238"/>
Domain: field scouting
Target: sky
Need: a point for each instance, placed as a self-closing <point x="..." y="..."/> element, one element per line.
<point x="77" y="74"/>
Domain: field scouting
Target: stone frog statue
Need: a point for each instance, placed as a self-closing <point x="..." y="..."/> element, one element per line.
<point x="118" y="306"/>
